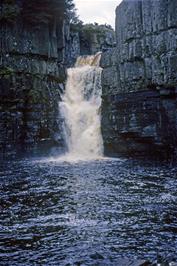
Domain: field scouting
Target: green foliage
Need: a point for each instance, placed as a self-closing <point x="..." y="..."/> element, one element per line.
<point x="6" y="72"/>
<point x="43" y="11"/>
<point x="91" y="27"/>
<point x="96" y="28"/>
<point x="39" y="11"/>
<point x="88" y="30"/>
<point x="9" y="11"/>
<point x="8" y="2"/>
<point x="71" y="12"/>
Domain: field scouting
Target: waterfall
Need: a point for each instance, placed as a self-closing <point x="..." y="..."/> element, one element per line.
<point x="80" y="109"/>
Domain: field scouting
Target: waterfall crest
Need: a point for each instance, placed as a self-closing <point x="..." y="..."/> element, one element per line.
<point x="80" y="109"/>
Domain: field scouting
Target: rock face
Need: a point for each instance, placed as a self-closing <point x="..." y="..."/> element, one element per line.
<point x="88" y="39"/>
<point x="32" y="74"/>
<point x="72" y="47"/>
<point x="139" y="112"/>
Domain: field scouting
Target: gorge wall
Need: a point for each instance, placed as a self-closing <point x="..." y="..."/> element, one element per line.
<point x="139" y="76"/>
<point x="32" y="73"/>
<point x="139" y="110"/>
<point x="87" y="39"/>
<point x="37" y="44"/>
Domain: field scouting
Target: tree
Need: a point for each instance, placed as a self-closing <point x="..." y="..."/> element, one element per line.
<point x="43" y="10"/>
<point x="71" y="12"/>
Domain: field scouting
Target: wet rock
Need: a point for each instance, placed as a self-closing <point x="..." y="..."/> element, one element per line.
<point x="126" y="262"/>
<point x="96" y="256"/>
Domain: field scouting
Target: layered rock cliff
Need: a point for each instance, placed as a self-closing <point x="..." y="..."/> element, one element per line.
<point x="139" y="111"/>
<point x="87" y="39"/>
<point x="32" y="73"/>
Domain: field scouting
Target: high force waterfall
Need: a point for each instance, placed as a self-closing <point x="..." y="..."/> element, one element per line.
<point x="81" y="109"/>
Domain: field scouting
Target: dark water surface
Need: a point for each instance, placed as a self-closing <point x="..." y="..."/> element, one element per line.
<point x="87" y="213"/>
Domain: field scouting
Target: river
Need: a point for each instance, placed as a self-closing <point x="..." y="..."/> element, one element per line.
<point x="86" y="213"/>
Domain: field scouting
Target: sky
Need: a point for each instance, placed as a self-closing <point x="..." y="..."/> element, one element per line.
<point x="100" y="11"/>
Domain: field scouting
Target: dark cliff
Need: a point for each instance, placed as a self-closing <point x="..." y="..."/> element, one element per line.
<point x="32" y="73"/>
<point x="139" y="112"/>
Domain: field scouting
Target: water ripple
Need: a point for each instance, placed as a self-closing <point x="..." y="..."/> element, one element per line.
<point x="86" y="213"/>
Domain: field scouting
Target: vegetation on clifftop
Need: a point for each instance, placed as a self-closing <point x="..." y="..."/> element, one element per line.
<point x="71" y="12"/>
<point x="91" y="28"/>
<point x="6" y="72"/>
<point x="41" y="11"/>
<point x="9" y="10"/>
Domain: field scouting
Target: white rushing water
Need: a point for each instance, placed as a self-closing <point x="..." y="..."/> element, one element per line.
<point x="80" y="108"/>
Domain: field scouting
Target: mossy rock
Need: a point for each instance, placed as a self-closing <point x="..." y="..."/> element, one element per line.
<point x="9" y="12"/>
<point x="6" y="72"/>
<point x="34" y="96"/>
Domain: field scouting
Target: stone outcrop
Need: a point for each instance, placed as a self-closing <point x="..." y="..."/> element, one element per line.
<point x="32" y="74"/>
<point x="87" y="39"/>
<point x="139" y="112"/>
<point x="72" y="50"/>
